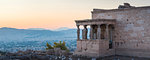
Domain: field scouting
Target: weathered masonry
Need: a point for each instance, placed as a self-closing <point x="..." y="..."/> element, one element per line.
<point x="101" y="33"/>
<point x="123" y="31"/>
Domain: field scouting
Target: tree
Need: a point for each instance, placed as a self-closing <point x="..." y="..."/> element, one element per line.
<point x="60" y="45"/>
<point x="48" y="46"/>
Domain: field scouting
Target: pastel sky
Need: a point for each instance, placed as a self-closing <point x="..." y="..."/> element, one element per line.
<point x="52" y="14"/>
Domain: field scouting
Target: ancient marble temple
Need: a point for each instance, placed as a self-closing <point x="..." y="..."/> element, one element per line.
<point x="123" y="31"/>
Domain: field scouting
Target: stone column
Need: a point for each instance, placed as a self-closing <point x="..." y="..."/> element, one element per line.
<point x="91" y="32"/>
<point x="78" y="32"/>
<point x="110" y="34"/>
<point x="84" y="32"/>
<point x="98" y="32"/>
<point x="107" y="32"/>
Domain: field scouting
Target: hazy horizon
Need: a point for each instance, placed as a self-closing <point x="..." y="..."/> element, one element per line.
<point x="53" y="14"/>
<point x="60" y="28"/>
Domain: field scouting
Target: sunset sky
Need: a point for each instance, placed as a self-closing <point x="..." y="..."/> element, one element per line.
<point x="53" y="14"/>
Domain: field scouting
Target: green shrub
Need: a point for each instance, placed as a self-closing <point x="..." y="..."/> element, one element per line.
<point x="61" y="45"/>
<point x="48" y="46"/>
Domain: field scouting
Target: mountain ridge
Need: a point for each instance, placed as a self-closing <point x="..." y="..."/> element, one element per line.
<point x="13" y="34"/>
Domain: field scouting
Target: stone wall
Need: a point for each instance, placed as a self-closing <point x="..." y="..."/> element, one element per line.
<point x="132" y="34"/>
<point x="93" y="48"/>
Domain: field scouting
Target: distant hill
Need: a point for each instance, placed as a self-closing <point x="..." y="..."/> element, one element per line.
<point x="37" y="29"/>
<point x="13" y="34"/>
<point x="62" y="28"/>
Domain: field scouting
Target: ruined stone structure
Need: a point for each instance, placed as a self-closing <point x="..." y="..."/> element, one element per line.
<point x="123" y="31"/>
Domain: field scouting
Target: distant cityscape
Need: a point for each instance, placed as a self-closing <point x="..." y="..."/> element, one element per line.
<point x="13" y="40"/>
<point x="14" y="46"/>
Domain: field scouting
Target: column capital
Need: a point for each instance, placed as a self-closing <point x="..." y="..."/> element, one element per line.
<point x="91" y="25"/>
<point x="98" y="25"/>
<point x="77" y="25"/>
<point x="84" y="26"/>
<point x="107" y="24"/>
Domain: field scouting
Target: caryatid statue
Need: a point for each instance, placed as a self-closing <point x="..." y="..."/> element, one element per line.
<point x="99" y="32"/>
<point x="78" y="32"/>
<point x="84" y="32"/>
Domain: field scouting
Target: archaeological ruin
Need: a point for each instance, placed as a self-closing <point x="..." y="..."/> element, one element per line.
<point x="124" y="31"/>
